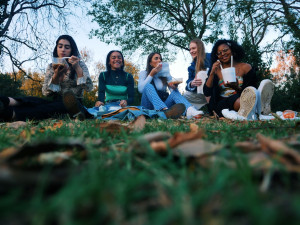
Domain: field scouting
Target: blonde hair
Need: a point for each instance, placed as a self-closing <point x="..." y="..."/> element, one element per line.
<point x="200" y="55"/>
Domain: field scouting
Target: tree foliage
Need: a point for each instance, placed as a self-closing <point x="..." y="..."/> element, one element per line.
<point x="156" y="25"/>
<point x="10" y="86"/>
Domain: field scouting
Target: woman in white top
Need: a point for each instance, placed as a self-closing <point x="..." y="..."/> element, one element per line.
<point x="153" y="86"/>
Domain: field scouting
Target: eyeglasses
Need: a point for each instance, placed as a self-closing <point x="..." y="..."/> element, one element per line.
<point x="222" y="51"/>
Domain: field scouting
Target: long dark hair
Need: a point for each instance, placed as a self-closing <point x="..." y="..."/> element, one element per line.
<point x="148" y="66"/>
<point x="74" y="50"/>
<point x="108" y="67"/>
<point x="237" y="50"/>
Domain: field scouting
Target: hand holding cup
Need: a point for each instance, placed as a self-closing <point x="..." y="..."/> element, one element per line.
<point x="156" y="69"/>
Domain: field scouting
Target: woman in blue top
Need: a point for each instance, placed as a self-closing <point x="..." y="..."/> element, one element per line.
<point x="154" y="90"/>
<point x="116" y="87"/>
<point x="200" y="63"/>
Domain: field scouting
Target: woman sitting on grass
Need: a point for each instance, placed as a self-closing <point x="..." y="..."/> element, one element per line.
<point x="116" y="87"/>
<point x="200" y="62"/>
<point x="154" y="91"/>
<point x="64" y="84"/>
<point x="240" y="96"/>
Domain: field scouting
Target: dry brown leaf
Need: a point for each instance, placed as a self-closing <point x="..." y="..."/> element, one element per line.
<point x="260" y="160"/>
<point x="58" y="124"/>
<point x="275" y="147"/>
<point x="112" y="127"/>
<point x="196" y="148"/>
<point x="194" y="128"/>
<point x="34" y="149"/>
<point x="16" y="125"/>
<point x="7" y="152"/>
<point x="156" y="136"/>
<point x="159" y="147"/>
<point x="138" y="124"/>
<point x="177" y="139"/>
<point x="248" y="146"/>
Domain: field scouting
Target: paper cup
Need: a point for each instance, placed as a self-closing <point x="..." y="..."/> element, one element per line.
<point x="201" y="75"/>
<point x="229" y="75"/>
<point x="165" y="70"/>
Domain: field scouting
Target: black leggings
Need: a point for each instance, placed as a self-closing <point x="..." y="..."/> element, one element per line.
<point x="226" y="103"/>
<point x="34" y="108"/>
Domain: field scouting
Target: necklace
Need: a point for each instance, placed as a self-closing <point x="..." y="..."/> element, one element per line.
<point x="115" y="77"/>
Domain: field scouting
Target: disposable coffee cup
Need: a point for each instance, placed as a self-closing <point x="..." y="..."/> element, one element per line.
<point x="229" y="75"/>
<point x="201" y="75"/>
<point x="165" y="70"/>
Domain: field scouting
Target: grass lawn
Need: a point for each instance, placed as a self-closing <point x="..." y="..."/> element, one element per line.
<point x="68" y="172"/>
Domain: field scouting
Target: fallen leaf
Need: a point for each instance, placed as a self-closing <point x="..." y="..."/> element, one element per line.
<point x="112" y="127"/>
<point x="276" y="147"/>
<point x="177" y="139"/>
<point x="7" y="152"/>
<point x="259" y="160"/>
<point x="196" y="148"/>
<point x="34" y="149"/>
<point x="248" y="146"/>
<point x="194" y="128"/>
<point x="138" y="124"/>
<point x="16" y="125"/>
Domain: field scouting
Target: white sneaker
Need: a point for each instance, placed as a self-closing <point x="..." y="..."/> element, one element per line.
<point x="248" y="102"/>
<point x="192" y="112"/>
<point x="231" y="114"/>
<point x="266" y="91"/>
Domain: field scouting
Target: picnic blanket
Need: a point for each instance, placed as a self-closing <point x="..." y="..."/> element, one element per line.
<point x="126" y="113"/>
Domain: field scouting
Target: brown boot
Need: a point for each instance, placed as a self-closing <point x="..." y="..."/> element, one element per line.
<point x="175" y="111"/>
<point x="72" y="105"/>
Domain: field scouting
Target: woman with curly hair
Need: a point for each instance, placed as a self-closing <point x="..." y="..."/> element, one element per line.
<point x="240" y="96"/>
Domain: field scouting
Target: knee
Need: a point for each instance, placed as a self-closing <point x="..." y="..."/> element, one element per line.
<point x="149" y="88"/>
<point x="236" y="105"/>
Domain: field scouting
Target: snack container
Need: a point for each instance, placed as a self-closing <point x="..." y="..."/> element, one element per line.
<point x="201" y="75"/>
<point x="229" y="75"/>
<point x="56" y="62"/>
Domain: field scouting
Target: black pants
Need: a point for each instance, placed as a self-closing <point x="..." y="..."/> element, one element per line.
<point x="226" y="103"/>
<point x="34" y="108"/>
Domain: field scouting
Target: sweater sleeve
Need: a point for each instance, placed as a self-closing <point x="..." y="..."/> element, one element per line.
<point x="85" y="82"/>
<point x="130" y="89"/>
<point x="101" y="87"/>
<point x="208" y="91"/>
<point x="143" y="80"/>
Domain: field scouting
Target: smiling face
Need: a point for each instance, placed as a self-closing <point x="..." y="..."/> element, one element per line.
<point x="193" y="50"/>
<point x="224" y="53"/>
<point x="115" y="61"/>
<point x="64" y="48"/>
<point x="156" y="59"/>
